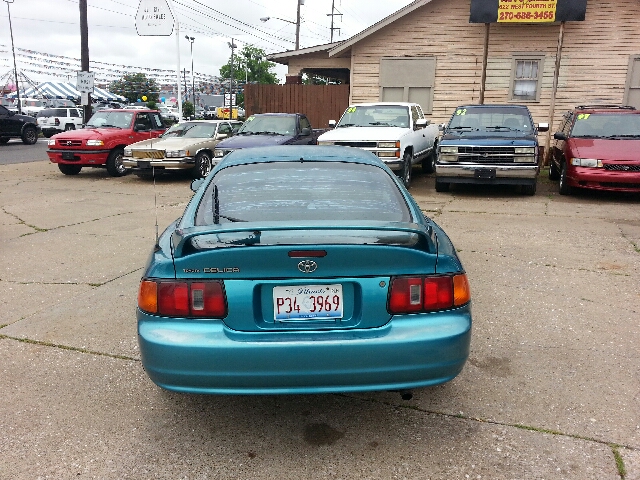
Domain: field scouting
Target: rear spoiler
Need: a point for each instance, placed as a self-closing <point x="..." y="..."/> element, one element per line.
<point x="182" y="236"/>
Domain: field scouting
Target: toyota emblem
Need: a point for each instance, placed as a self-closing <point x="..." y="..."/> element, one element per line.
<point x="307" y="266"/>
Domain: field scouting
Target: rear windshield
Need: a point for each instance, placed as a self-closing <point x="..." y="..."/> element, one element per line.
<point x="53" y="112"/>
<point x="595" y="125"/>
<point x="491" y="118"/>
<point x="299" y="192"/>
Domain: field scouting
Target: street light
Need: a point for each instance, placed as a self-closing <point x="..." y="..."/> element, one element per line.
<point x="15" y="69"/>
<point x="296" y="23"/>
<point x="193" y="83"/>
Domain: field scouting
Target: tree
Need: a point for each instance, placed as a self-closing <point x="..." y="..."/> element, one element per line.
<point x="250" y="64"/>
<point x="188" y="109"/>
<point x="134" y="86"/>
<point x="317" y="80"/>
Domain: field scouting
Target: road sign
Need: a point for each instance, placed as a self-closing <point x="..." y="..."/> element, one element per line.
<point x="154" y="18"/>
<point x="84" y="83"/>
<point x="229" y="100"/>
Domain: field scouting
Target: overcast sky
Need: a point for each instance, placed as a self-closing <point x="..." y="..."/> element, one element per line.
<point x="52" y="28"/>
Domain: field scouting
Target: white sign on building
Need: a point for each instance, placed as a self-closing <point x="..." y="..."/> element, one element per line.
<point x="84" y="84"/>
<point x="154" y="18"/>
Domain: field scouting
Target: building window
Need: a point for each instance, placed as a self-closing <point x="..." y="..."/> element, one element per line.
<point x="408" y="79"/>
<point x="526" y="75"/>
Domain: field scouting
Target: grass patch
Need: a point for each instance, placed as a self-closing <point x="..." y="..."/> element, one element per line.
<point x="619" y="462"/>
<point x="67" y="347"/>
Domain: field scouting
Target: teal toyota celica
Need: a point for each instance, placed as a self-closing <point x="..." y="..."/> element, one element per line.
<point x="303" y="269"/>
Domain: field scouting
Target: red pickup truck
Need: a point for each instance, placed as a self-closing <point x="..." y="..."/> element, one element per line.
<point x="101" y="143"/>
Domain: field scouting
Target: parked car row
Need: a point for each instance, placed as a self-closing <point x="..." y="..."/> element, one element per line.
<point x="597" y="147"/>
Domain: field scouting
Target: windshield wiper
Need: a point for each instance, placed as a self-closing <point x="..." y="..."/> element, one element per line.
<point x="379" y="123"/>
<point x="500" y="127"/>
<point x="216" y="209"/>
<point x="459" y="128"/>
<point x="621" y="136"/>
<point x="346" y="125"/>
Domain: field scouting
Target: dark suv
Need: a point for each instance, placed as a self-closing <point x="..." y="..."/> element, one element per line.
<point x="598" y="148"/>
<point x="14" y="125"/>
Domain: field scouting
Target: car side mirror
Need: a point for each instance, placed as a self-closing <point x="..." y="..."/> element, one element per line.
<point x="442" y="126"/>
<point x="421" y="123"/>
<point x="222" y="136"/>
<point x="332" y="123"/>
<point x="306" y="131"/>
<point x="559" y="136"/>
<point x="543" y="127"/>
<point x="195" y="184"/>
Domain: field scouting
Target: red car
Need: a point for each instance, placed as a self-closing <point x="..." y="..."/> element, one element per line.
<point x="101" y="143"/>
<point x="598" y="148"/>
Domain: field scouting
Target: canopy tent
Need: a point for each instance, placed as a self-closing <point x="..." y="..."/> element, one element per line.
<point x="65" y="90"/>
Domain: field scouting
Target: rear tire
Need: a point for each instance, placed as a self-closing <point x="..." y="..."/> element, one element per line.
<point x="407" y="170"/>
<point x="442" y="186"/>
<point x="47" y="134"/>
<point x="563" y="188"/>
<point x="69" y="126"/>
<point x="115" y="166"/>
<point x="69" y="169"/>
<point x="29" y="135"/>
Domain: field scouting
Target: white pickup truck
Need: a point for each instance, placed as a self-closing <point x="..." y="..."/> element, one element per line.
<point x="397" y="132"/>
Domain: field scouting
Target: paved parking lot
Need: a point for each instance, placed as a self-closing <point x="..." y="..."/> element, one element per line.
<point x="551" y="390"/>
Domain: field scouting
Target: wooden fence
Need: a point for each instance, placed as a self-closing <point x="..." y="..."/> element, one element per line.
<point x="320" y="103"/>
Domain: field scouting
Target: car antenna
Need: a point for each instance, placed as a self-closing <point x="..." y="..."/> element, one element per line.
<point x="216" y="205"/>
<point x="155" y="202"/>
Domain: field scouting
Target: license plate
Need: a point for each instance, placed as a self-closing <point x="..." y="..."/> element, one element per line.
<point x="67" y="156"/>
<point x="485" y="173"/>
<point x="307" y="302"/>
<point x="144" y="164"/>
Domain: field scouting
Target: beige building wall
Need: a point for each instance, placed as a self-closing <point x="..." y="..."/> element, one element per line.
<point x="595" y="56"/>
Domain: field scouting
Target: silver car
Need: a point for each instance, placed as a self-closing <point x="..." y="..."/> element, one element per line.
<point x="185" y="146"/>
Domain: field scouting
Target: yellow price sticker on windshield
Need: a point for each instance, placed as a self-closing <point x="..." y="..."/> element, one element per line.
<point x="351" y="109"/>
<point x="461" y="111"/>
<point x="250" y="118"/>
<point x="583" y="116"/>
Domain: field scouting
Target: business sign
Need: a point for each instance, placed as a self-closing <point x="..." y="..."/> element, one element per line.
<point x="154" y="18"/>
<point x="527" y="11"/>
<point x="84" y="83"/>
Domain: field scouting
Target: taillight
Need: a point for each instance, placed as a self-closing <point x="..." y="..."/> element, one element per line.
<point x="57" y="121"/>
<point x="183" y="298"/>
<point x="428" y="294"/>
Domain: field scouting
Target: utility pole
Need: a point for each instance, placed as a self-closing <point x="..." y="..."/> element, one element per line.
<point x="298" y="25"/>
<point x="15" y="69"/>
<point x="332" y="14"/>
<point x="232" y="46"/>
<point x="84" y="54"/>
